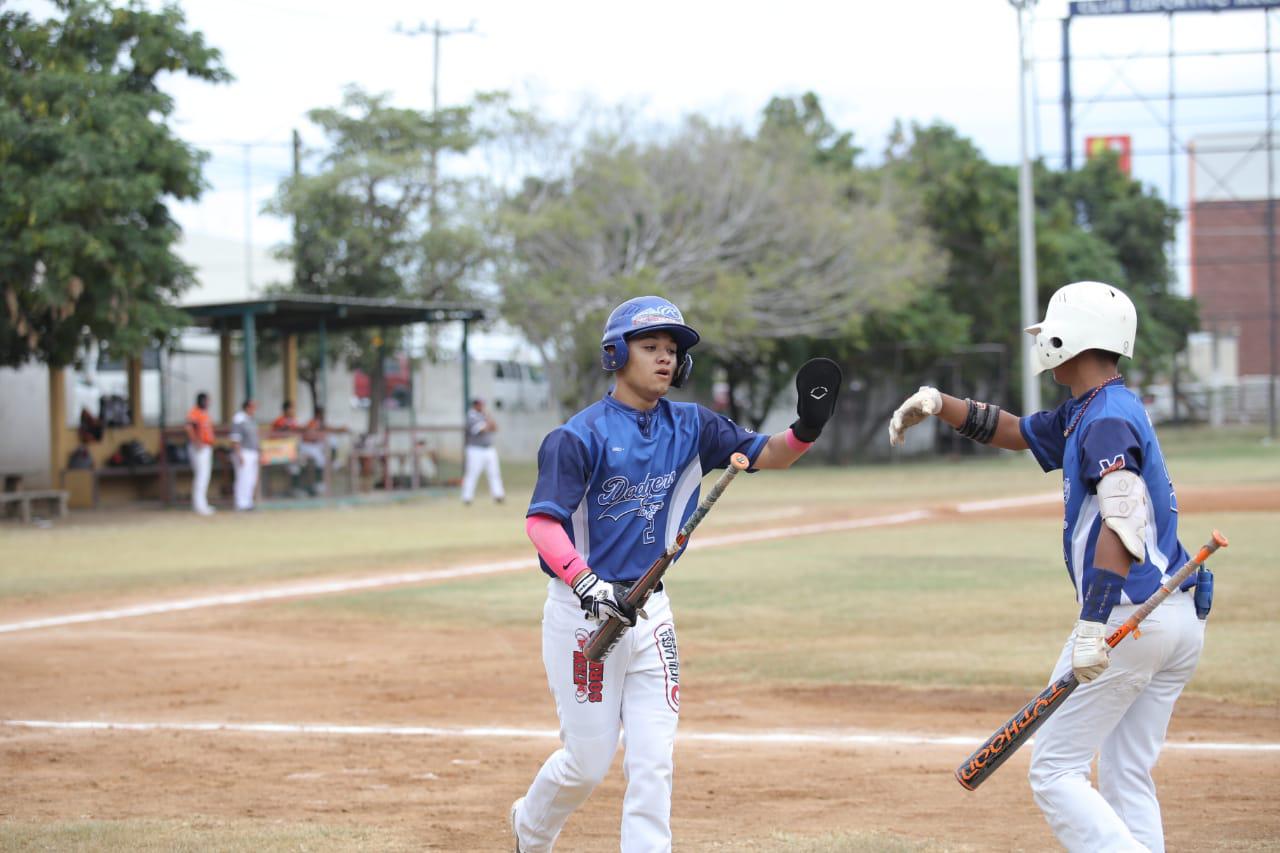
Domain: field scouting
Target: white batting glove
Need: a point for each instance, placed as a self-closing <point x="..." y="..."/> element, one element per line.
<point x="1090" y="655"/>
<point x="920" y="405"/>
<point x="601" y="600"/>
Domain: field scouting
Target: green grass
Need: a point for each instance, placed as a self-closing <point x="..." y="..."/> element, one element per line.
<point x="195" y="836"/>
<point x="179" y="549"/>
<point x="972" y="602"/>
<point x="947" y="604"/>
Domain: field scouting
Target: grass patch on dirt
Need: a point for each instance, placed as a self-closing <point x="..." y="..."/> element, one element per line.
<point x="123" y="553"/>
<point x="954" y="603"/>
<point x="971" y="601"/>
<point x="196" y="836"/>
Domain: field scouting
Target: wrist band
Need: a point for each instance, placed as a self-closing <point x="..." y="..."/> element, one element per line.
<point x="980" y="421"/>
<point x="795" y="443"/>
<point x="1100" y="594"/>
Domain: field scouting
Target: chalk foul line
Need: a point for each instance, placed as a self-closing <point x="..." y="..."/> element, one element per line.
<point x="772" y="737"/>
<point x="316" y="588"/>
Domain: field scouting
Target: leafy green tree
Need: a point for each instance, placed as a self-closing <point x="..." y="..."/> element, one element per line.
<point x="378" y="219"/>
<point x="87" y="165"/>
<point x="748" y="234"/>
<point x="1135" y="226"/>
<point x="1093" y="223"/>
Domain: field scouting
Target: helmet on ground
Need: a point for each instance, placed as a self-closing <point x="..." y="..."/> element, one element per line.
<point x="1082" y="316"/>
<point x="647" y="314"/>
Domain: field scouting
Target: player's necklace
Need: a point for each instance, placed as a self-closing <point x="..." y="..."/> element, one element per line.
<point x="1075" y="422"/>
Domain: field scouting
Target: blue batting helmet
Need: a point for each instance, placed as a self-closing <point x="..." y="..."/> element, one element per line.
<point x="647" y="314"/>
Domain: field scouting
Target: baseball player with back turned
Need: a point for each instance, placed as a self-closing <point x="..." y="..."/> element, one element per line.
<point x="1120" y="541"/>
<point x="615" y="483"/>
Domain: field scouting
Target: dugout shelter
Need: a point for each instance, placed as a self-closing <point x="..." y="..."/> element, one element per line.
<point x="243" y="322"/>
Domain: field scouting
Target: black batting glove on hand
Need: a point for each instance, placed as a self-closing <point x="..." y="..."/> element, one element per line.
<point x="601" y="599"/>
<point x="817" y="387"/>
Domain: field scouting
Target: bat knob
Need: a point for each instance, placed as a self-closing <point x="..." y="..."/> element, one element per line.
<point x="740" y="461"/>
<point x="1219" y="540"/>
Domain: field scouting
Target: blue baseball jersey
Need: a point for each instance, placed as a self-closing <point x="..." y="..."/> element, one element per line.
<point x="622" y="481"/>
<point x="1114" y="432"/>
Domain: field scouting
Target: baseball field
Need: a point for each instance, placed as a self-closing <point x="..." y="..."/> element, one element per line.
<point x="369" y="677"/>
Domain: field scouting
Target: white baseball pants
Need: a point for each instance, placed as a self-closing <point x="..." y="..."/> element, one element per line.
<point x="1122" y="715"/>
<point x="246" y="478"/>
<point x="201" y="469"/>
<point x="635" y="690"/>
<point x="480" y="459"/>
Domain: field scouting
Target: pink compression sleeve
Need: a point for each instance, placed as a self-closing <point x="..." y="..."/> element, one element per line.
<point x="554" y="546"/>
<point x="795" y="443"/>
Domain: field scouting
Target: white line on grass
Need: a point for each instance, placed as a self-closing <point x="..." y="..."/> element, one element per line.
<point x="1009" y="503"/>
<point x="313" y="588"/>
<point x="299" y="590"/>
<point x="762" y="736"/>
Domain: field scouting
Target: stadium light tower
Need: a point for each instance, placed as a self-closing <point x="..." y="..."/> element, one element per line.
<point x="1026" y="217"/>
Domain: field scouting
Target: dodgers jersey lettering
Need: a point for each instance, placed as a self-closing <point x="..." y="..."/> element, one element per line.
<point x="613" y="474"/>
<point x="1115" y="432"/>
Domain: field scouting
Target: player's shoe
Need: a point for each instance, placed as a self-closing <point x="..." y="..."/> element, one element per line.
<point x="514" y="832"/>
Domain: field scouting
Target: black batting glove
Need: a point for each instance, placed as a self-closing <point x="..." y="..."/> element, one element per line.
<point x="817" y="387"/>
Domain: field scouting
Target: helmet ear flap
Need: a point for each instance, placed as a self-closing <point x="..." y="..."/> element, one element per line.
<point x="616" y="359"/>
<point x="682" y="373"/>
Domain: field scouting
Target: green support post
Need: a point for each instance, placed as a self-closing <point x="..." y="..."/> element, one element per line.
<point x="322" y="369"/>
<point x="250" y="356"/>
<point x="466" y="371"/>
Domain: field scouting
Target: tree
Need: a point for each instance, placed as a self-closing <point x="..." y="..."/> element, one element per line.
<point x="375" y="220"/>
<point x="1136" y="226"/>
<point x="747" y="234"/>
<point x="1091" y="224"/>
<point x="87" y="164"/>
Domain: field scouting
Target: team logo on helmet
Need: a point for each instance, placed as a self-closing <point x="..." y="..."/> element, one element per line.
<point x="657" y="314"/>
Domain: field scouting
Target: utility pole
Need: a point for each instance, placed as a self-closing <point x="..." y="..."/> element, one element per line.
<point x="248" y="219"/>
<point x="436" y="32"/>
<point x="297" y="230"/>
<point x="1026" y="220"/>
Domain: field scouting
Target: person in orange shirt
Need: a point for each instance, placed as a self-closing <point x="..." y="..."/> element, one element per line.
<point x="200" y="441"/>
<point x="286" y="423"/>
<point x="283" y="426"/>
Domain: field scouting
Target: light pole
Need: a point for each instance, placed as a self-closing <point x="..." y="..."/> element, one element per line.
<point x="1026" y="218"/>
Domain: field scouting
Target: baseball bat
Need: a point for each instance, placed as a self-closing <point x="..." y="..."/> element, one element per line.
<point x="1019" y="728"/>
<point x="608" y="634"/>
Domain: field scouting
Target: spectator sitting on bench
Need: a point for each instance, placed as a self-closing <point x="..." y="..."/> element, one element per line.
<point x="312" y="450"/>
<point x="283" y="426"/>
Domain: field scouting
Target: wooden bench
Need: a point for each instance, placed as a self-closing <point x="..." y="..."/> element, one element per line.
<point x="24" y="500"/>
<point x="137" y="473"/>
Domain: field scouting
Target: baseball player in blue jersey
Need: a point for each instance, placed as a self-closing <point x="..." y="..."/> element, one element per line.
<point x="1119" y="541"/>
<point x="615" y="483"/>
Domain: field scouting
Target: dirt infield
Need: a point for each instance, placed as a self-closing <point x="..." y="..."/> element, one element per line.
<point x="451" y="793"/>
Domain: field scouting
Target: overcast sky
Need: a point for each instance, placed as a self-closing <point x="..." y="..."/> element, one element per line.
<point x="870" y="62"/>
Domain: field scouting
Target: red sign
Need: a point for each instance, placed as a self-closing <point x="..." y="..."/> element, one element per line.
<point x="1121" y="145"/>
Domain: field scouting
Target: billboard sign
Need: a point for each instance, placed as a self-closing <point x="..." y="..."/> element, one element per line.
<point x="1143" y="7"/>
<point x="1122" y="145"/>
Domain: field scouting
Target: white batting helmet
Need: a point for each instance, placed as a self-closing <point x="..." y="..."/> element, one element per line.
<point x="1081" y="316"/>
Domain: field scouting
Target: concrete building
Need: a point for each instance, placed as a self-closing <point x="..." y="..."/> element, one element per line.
<point x="1233" y="260"/>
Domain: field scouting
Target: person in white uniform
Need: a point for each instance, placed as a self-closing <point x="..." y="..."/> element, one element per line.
<point x="1120" y="543"/>
<point x="481" y="455"/>
<point x="614" y="486"/>
<point x="245" y="454"/>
